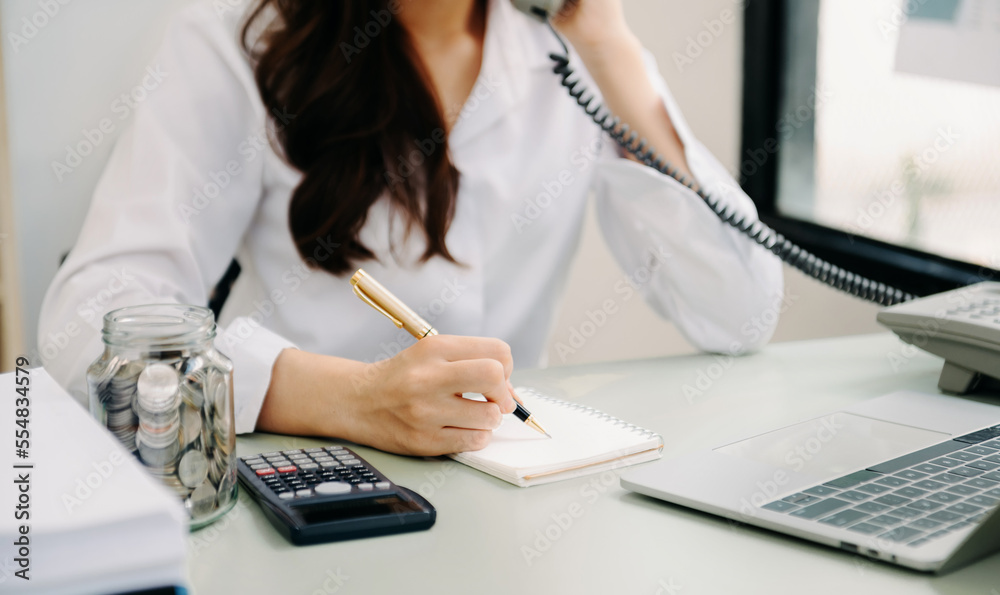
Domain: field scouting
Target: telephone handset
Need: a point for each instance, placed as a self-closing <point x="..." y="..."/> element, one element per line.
<point x="967" y="336"/>
<point x="540" y="9"/>
<point x="756" y="230"/>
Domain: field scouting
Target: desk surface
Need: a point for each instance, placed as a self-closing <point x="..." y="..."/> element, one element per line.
<point x="490" y="535"/>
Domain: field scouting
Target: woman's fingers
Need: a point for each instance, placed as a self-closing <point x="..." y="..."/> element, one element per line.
<point x="457" y="412"/>
<point x="455" y="348"/>
<point x="485" y="376"/>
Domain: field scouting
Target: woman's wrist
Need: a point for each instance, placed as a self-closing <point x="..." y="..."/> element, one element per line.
<point x="607" y="60"/>
<point x="607" y="51"/>
<point x="310" y="395"/>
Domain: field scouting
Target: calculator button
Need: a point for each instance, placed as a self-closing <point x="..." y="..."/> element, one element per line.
<point x="291" y="451"/>
<point x="383" y="485"/>
<point x="328" y="464"/>
<point x="267" y="471"/>
<point x="259" y="466"/>
<point x="345" y="457"/>
<point x="286" y="495"/>
<point x="354" y="480"/>
<point x="308" y="466"/>
<point x="365" y="486"/>
<point x="288" y="469"/>
<point x="253" y="461"/>
<point x="333" y="487"/>
<point x="314" y="450"/>
<point x="298" y="456"/>
<point x="303" y="493"/>
<point x="341" y="469"/>
<point x="271" y="454"/>
<point x="335" y="447"/>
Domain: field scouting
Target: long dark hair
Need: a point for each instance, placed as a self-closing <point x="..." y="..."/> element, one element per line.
<point x="363" y="121"/>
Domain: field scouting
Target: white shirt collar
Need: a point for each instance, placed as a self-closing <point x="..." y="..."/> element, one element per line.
<point x="515" y="45"/>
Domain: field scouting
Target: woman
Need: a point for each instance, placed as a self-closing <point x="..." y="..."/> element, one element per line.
<point x="430" y="143"/>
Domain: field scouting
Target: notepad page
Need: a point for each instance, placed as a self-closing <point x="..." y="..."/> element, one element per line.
<point x="580" y="437"/>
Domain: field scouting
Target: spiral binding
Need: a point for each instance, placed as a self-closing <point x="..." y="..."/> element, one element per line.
<point x="759" y="232"/>
<point x="590" y="411"/>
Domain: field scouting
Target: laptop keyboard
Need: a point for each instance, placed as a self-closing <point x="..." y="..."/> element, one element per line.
<point x="912" y="499"/>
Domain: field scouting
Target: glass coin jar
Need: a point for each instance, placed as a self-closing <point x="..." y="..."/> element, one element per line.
<point x="166" y="393"/>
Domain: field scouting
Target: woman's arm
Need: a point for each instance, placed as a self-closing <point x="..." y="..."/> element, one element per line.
<point x="410" y="404"/>
<point x="613" y="56"/>
<point x="722" y="292"/>
<point x="152" y="234"/>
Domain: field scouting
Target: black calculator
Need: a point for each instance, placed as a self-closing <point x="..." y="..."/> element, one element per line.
<point x="315" y="495"/>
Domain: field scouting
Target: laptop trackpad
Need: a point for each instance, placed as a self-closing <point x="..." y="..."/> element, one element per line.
<point x="834" y="444"/>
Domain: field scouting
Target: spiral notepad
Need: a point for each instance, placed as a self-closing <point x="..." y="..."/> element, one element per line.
<point x="584" y="441"/>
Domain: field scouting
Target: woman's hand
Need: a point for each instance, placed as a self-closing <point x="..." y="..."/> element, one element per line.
<point x="409" y="404"/>
<point x="592" y="24"/>
<point x="613" y="56"/>
<point x="413" y="402"/>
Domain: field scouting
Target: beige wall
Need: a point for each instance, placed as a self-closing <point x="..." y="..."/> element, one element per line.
<point x="10" y="307"/>
<point x="709" y="92"/>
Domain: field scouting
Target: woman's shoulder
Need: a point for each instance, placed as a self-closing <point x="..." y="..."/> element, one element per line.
<point x="213" y="25"/>
<point x="205" y="41"/>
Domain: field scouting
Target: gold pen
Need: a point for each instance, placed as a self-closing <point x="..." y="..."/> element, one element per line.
<point x="375" y="295"/>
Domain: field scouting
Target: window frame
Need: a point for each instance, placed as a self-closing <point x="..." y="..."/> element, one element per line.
<point x="764" y="52"/>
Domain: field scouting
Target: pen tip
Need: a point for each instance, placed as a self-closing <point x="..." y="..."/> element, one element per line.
<point x="533" y="424"/>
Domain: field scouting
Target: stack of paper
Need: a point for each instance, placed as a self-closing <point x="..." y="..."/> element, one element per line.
<point x="91" y="519"/>
<point x="584" y="441"/>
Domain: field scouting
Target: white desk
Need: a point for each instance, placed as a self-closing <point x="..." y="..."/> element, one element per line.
<point x="623" y="542"/>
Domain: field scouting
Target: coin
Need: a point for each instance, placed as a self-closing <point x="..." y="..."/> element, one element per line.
<point x="202" y="500"/>
<point x="221" y="395"/>
<point x="157" y="387"/>
<point x="107" y="371"/>
<point x="191" y="392"/>
<point x="226" y="485"/>
<point x="157" y="452"/>
<point x="191" y="423"/>
<point x="193" y="468"/>
<point x="192" y="364"/>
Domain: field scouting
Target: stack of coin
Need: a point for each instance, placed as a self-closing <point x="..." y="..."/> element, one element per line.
<point x="176" y="415"/>
<point x="117" y="394"/>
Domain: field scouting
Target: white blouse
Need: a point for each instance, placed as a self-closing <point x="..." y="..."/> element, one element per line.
<point x="193" y="182"/>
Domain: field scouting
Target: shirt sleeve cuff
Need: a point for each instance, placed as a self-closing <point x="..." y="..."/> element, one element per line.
<point x="253" y="350"/>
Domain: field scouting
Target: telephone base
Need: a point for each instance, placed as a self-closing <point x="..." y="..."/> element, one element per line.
<point x="959" y="380"/>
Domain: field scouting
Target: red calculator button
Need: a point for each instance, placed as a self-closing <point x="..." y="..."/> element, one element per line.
<point x="287" y="469"/>
<point x="267" y="471"/>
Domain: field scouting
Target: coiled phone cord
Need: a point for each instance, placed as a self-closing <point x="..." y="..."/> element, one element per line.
<point x="759" y="232"/>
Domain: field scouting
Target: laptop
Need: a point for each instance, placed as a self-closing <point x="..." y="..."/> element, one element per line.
<point x="908" y="478"/>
